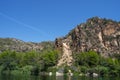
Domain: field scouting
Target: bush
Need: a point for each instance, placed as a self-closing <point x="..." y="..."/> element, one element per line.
<point x="1" y="69"/>
<point x="35" y="70"/>
<point x="52" y="69"/>
<point x="27" y="69"/>
<point x="16" y="72"/>
<point x="90" y="58"/>
<point x="103" y="71"/>
<point x="83" y="69"/>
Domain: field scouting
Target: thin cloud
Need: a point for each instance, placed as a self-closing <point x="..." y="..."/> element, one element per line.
<point x="21" y="23"/>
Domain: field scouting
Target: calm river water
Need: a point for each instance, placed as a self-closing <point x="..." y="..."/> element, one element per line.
<point x="18" y="77"/>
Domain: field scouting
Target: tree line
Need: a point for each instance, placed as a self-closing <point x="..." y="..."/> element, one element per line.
<point x="33" y="62"/>
<point x="27" y="62"/>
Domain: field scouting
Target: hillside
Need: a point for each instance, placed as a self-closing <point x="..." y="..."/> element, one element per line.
<point x="21" y="46"/>
<point x="97" y="34"/>
<point x="90" y="48"/>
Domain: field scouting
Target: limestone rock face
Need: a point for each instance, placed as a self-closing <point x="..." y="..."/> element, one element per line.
<point x="66" y="57"/>
<point x="100" y="35"/>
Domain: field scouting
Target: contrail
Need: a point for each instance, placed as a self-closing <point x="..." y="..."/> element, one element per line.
<point x="21" y="23"/>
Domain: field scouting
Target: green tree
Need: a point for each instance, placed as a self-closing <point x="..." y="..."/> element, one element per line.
<point x="8" y="60"/>
<point x="50" y="58"/>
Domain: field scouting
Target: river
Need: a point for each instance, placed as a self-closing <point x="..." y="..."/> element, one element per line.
<point x="23" y="77"/>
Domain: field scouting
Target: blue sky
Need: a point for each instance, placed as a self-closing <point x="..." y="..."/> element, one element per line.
<point x="44" y="20"/>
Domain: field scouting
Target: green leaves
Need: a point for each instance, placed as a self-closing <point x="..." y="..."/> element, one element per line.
<point x="50" y="58"/>
<point x="90" y="58"/>
<point x="32" y="61"/>
<point x="93" y="63"/>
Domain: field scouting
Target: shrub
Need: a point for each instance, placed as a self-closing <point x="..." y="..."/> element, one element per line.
<point x="27" y="69"/>
<point x="84" y="69"/>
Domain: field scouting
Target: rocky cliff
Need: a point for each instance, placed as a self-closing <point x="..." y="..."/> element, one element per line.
<point x="97" y="34"/>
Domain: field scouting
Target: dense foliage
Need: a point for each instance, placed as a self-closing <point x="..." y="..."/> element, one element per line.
<point x="27" y="62"/>
<point x="34" y="63"/>
<point x="91" y="62"/>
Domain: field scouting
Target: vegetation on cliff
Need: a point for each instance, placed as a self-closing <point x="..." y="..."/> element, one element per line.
<point x="21" y="46"/>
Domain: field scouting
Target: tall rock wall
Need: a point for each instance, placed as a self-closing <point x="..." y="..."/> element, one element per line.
<point x="100" y="35"/>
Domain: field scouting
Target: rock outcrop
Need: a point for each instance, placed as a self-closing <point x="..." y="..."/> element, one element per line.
<point x="100" y="35"/>
<point x="66" y="57"/>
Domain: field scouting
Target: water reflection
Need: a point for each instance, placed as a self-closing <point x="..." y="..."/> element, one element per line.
<point x="24" y="77"/>
<point x="59" y="77"/>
